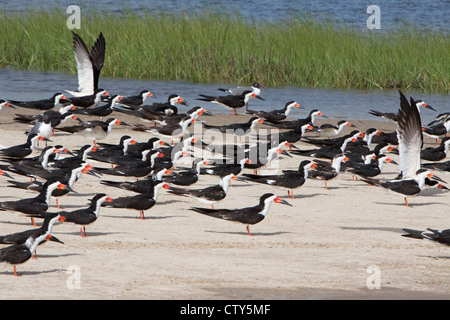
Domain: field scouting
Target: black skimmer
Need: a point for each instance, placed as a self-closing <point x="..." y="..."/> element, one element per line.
<point x="439" y="236"/>
<point x="173" y="118"/>
<point x="406" y="187"/>
<point x="288" y="179"/>
<point x="329" y="151"/>
<point x="290" y="136"/>
<point x="5" y="174"/>
<point x="371" y="169"/>
<point x="139" y="186"/>
<point x="439" y="119"/>
<point x="410" y="138"/>
<point x="325" y="170"/>
<point x="124" y="143"/>
<point x="20" y="253"/>
<point x="275" y="116"/>
<point x="412" y="178"/>
<point x="53" y="114"/>
<point x="437" y="130"/>
<point x="22" y="150"/>
<point x="255" y="88"/>
<point x="87" y="215"/>
<point x="89" y="101"/>
<point x="36" y="170"/>
<point x="363" y="143"/>
<point x="208" y="195"/>
<point x="89" y="64"/>
<point x="34" y="207"/>
<point x="296" y="124"/>
<point x="394" y="116"/>
<point x="248" y="215"/>
<point x="168" y="161"/>
<point x="4" y="103"/>
<point x="440" y="166"/>
<point x="78" y="159"/>
<point x="333" y="141"/>
<point x="169" y="131"/>
<point x="47" y="155"/>
<point x="436" y="154"/>
<point x="386" y="137"/>
<point x="328" y="130"/>
<point x="227" y="150"/>
<point x="225" y="168"/>
<point x="107" y="152"/>
<point x="139" y="158"/>
<point x="44" y="104"/>
<point x="262" y="157"/>
<point x="102" y="110"/>
<point x="22" y="236"/>
<point x="168" y="107"/>
<point x="232" y="101"/>
<point x="237" y="129"/>
<point x="138" y="99"/>
<point x="94" y="130"/>
<point x="187" y="177"/>
<point x="138" y="168"/>
<point x="435" y="184"/>
<point x="150" y="144"/>
<point x="66" y="176"/>
<point x="140" y="202"/>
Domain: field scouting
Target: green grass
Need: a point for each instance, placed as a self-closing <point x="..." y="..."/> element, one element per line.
<point x="222" y="48"/>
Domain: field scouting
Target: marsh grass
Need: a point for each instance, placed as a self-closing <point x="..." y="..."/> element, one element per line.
<point x="226" y="48"/>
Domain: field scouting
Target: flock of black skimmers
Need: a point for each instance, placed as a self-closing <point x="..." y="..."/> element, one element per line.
<point x="143" y="168"/>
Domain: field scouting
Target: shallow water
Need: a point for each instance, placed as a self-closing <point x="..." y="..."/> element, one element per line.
<point x="336" y="104"/>
<point x="427" y="14"/>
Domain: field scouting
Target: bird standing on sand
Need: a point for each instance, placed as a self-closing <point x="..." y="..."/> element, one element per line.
<point x="231" y="101"/>
<point x="20" y="253"/>
<point x="411" y="179"/>
<point x="249" y="215"/>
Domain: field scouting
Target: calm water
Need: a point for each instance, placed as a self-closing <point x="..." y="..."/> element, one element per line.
<point x="428" y="14"/>
<point x="342" y="104"/>
<point x="351" y="104"/>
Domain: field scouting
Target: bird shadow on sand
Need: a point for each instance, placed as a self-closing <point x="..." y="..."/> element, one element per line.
<point x="30" y="273"/>
<point x="399" y="231"/>
<point x="91" y="234"/>
<point x="68" y="206"/>
<point x="244" y="233"/>
<point x="147" y="217"/>
<point x="44" y="256"/>
<point x="299" y="196"/>
<point x="9" y="197"/>
<point x="387" y="229"/>
<point x="25" y="223"/>
<point x="78" y="194"/>
<point x="411" y="205"/>
<point x="434" y="257"/>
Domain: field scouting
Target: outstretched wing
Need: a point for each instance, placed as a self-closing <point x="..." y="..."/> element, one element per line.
<point x="84" y="66"/>
<point x="89" y="64"/>
<point x="410" y="138"/>
<point x="97" y="56"/>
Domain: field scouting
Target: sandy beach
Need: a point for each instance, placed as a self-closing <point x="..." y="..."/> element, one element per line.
<point x="333" y="243"/>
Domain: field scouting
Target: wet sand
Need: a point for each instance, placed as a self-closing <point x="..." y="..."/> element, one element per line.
<point x="331" y="244"/>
